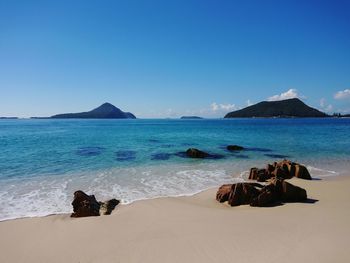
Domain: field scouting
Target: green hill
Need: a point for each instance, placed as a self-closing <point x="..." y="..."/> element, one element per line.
<point x="283" y="108"/>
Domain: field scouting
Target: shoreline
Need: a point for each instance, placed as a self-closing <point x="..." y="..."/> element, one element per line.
<point x="191" y="229"/>
<point x="338" y="176"/>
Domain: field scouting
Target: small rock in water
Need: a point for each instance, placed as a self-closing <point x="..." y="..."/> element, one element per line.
<point x="234" y="148"/>
<point x="161" y="156"/>
<point x="125" y="155"/>
<point x="195" y="153"/>
<point x="89" y="151"/>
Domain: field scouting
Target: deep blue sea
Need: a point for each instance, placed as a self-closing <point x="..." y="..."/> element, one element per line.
<point x="42" y="162"/>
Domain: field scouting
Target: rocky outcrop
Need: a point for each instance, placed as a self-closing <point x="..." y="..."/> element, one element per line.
<point x="86" y="205"/>
<point x="242" y="194"/>
<point x="234" y="148"/>
<point x="254" y="194"/>
<point x="224" y="192"/>
<point x="106" y="208"/>
<point x="284" y="169"/>
<point x="195" y="153"/>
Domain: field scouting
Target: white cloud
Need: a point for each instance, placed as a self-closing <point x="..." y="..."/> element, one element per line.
<point x="342" y="94"/>
<point x="289" y="94"/>
<point x="249" y="103"/>
<point x="222" y="107"/>
<point x="325" y="106"/>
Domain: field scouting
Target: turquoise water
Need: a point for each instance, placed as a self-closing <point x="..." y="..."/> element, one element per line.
<point x="42" y="162"/>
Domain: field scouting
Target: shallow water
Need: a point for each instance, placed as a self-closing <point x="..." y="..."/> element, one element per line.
<point x="42" y="162"/>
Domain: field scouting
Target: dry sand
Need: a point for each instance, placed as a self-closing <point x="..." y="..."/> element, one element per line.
<point x="192" y="229"/>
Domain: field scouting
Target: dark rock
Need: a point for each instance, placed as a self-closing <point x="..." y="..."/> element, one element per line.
<point x="242" y="194"/>
<point x="284" y="169"/>
<point x="195" y="153"/>
<point x="292" y="193"/>
<point x="302" y="172"/>
<point x="270" y="168"/>
<point x="280" y="173"/>
<point x="234" y="148"/>
<point x="106" y="208"/>
<point x="85" y="205"/>
<point x="263" y="175"/>
<point x="224" y="191"/>
<point x="255" y="194"/>
<point x="253" y="175"/>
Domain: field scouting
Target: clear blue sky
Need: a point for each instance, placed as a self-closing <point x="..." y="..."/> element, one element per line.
<point x="171" y="58"/>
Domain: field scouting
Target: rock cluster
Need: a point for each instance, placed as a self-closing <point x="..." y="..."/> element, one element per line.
<point x="255" y="194"/>
<point x="86" y="205"/>
<point x="284" y="169"/>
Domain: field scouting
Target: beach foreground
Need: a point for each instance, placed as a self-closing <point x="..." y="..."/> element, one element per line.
<point x="192" y="229"/>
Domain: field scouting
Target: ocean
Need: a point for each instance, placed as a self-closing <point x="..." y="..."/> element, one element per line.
<point x="42" y="162"/>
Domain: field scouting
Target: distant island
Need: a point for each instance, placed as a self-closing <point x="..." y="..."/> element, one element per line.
<point x="190" y="118"/>
<point x="105" y="111"/>
<point x="8" y="118"/>
<point x="284" y="109"/>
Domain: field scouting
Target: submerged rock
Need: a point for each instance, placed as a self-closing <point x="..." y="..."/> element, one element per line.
<point x="89" y="151"/>
<point x="234" y="148"/>
<point x="195" y="153"/>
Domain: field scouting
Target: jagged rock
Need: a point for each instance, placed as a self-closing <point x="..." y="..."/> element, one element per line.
<point x="195" y="153"/>
<point x="292" y="193"/>
<point x="284" y="169"/>
<point x="85" y="205"/>
<point x="224" y="192"/>
<point x="254" y="194"/>
<point x="242" y="194"/>
<point x="234" y="148"/>
<point x="270" y="168"/>
<point x="280" y="173"/>
<point x="263" y="175"/>
<point x="107" y="207"/>
<point x="253" y="175"/>
<point x="302" y="172"/>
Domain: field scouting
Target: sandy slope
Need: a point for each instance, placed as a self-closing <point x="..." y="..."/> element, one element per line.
<point x="192" y="229"/>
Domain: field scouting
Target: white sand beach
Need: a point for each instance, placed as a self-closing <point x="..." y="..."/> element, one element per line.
<point x="192" y="229"/>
